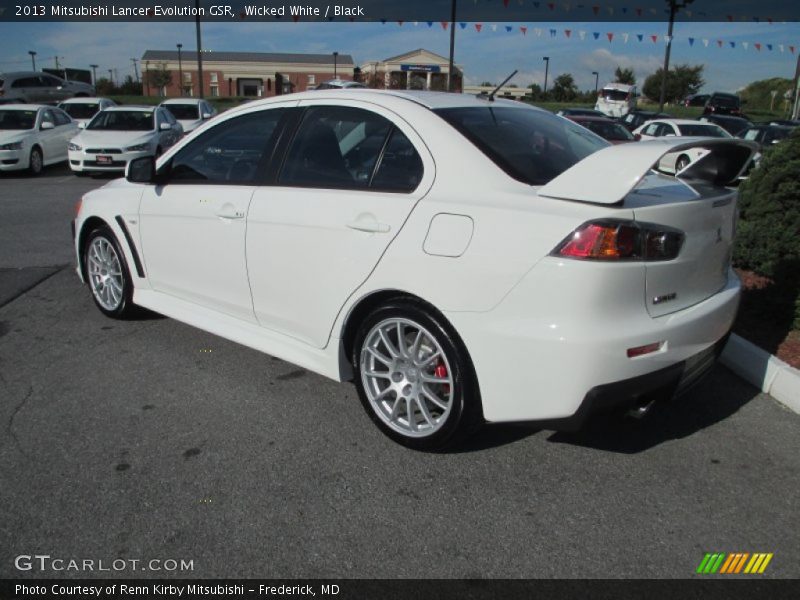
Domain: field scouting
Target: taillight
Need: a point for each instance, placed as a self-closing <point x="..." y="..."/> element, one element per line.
<point x="611" y="240"/>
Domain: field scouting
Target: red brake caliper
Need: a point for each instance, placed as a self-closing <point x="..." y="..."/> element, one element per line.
<point x="441" y="372"/>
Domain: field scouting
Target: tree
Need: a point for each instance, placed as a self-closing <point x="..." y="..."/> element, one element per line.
<point x="624" y="76"/>
<point x="759" y="93"/>
<point x="487" y="84"/>
<point x="564" y="88"/>
<point x="159" y="78"/>
<point x="105" y="87"/>
<point x="130" y="87"/>
<point x="681" y="81"/>
<point x="536" y="92"/>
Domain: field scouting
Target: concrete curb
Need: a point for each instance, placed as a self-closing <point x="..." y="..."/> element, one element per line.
<point x="768" y="373"/>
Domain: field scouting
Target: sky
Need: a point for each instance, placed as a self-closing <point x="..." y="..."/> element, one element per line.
<point x="487" y="55"/>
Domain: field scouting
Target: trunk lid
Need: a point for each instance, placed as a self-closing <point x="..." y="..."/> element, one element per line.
<point x="706" y="215"/>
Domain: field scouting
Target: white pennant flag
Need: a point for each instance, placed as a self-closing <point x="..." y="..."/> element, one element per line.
<point x="705" y="42"/>
<point x="745" y="45"/>
<point x="625" y="37"/>
<point x="781" y="47"/>
<point x="582" y="34"/>
<point x="538" y="32"/>
<point x="494" y="26"/>
<point x="667" y="39"/>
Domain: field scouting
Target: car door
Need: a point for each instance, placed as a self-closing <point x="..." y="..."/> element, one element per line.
<point x="28" y="89"/>
<point x="53" y="89"/>
<point x="65" y="131"/>
<point x="192" y="226"/>
<point x="349" y="180"/>
<point x="50" y="139"/>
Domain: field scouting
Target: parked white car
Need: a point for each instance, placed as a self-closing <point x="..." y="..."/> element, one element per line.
<point x="677" y="161"/>
<point x="461" y="259"/>
<point x="33" y="136"/>
<point x="616" y="100"/>
<point x="190" y="112"/>
<point x="83" y="110"/>
<point x="119" y="134"/>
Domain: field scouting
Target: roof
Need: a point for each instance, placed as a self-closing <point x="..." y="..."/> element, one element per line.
<point x="618" y="86"/>
<point x="20" y="106"/>
<point x="82" y="100"/>
<point x="194" y="101"/>
<point x="684" y="122"/>
<point x="249" y="57"/>
<point x="590" y="119"/>
<point x="415" y="53"/>
<point x="132" y="107"/>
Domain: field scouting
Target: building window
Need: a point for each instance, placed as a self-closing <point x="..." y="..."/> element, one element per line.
<point x="312" y="79"/>
<point x="188" y="90"/>
<point x="215" y="90"/>
<point x="214" y="78"/>
<point x="187" y="76"/>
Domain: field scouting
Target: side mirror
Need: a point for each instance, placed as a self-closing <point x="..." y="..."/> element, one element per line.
<point x="81" y="125"/>
<point x="47" y="125"/>
<point x="141" y="170"/>
<point x="165" y="127"/>
<point x="206" y="116"/>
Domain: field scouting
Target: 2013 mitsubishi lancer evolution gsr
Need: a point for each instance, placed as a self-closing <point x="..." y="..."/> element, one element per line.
<point x="460" y="259"/>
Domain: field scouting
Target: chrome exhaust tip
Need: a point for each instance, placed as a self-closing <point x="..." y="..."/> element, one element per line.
<point x="640" y="411"/>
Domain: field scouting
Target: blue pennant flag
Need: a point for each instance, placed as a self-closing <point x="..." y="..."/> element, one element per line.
<point x="640" y="36"/>
<point x="596" y="34"/>
<point x="509" y="28"/>
<point x="691" y="41"/>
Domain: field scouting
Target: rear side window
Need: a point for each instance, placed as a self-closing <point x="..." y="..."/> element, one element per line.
<point x="532" y="146"/>
<point x="702" y="130"/>
<point x="400" y="168"/>
<point x="229" y="153"/>
<point x="335" y="147"/>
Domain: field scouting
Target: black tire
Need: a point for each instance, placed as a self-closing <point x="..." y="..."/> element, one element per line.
<point x="36" y="161"/>
<point x="124" y="308"/>
<point x="159" y="152"/>
<point x="681" y="163"/>
<point x="465" y="415"/>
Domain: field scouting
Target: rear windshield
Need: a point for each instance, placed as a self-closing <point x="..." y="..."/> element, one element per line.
<point x="609" y="131"/>
<point x="84" y="110"/>
<point x="122" y="120"/>
<point x="615" y="95"/>
<point x="731" y="101"/>
<point x="17" y="119"/>
<point x="185" y="112"/>
<point x="703" y="130"/>
<point x="532" y="146"/>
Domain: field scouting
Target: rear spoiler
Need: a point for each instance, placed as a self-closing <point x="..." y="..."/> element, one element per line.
<point x="608" y="175"/>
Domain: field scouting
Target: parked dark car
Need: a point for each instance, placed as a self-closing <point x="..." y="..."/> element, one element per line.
<point x="583" y="112"/>
<point x="635" y="118"/>
<point x="766" y="135"/>
<point x="720" y="103"/>
<point x="696" y="100"/>
<point x="786" y="122"/>
<point x="729" y="123"/>
<point x="608" y="129"/>
<point x="31" y="87"/>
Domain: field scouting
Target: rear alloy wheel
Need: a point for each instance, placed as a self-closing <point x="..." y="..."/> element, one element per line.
<point x="681" y="164"/>
<point x="108" y="275"/>
<point x="413" y="377"/>
<point x="36" y="162"/>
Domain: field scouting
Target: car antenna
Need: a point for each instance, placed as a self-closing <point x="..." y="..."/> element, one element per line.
<point x="490" y="96"/>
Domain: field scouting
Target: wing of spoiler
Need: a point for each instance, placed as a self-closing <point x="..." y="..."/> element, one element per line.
<point x="608" y="175"/>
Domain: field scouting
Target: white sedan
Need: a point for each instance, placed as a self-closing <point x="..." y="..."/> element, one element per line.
<point x="33" y="136"/>
<point x="83" y="110"/>
<point x="117" y="135"/>
<point x="462" y="260"/>
<point x="190" y="112"/>
<point x="676" y="162"/>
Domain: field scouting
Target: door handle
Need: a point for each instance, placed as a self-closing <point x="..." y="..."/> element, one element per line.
<point x="228" y="211"/>
<point x="369" y="224"/>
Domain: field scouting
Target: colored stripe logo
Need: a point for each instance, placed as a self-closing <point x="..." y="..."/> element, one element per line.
<point x="734" y="563"/>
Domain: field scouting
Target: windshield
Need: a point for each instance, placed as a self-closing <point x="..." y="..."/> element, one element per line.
<point x="123" y="120"/>
<point x="84" y="110"/>
<point x="185" y="112"/>
<point x="609" y="131"/>
<point x="532" y="146"/>
<point x="17" y="119"/>
<point x="615" y="95"/>
<point x="703" y="130"/>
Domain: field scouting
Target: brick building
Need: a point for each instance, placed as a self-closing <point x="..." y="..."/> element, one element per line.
<point x="416" y="70"/>
<point x="257" y="74"/>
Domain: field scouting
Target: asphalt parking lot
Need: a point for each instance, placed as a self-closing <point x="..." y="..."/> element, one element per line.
<point x="149" y="439"/>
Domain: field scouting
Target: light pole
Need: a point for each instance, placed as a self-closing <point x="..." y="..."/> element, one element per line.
<point x="146" y="77"/>
<point x="546" y="60"/>
<point x="111" y="76"/>
<point x="596" y="80"/>
<point x="335" y="61"/>
<point x="135" y="70"/>
<point x="33" y="58"/>
<point x="199" y="49"/>
<point x="94" y="74"/>
<point x="180" y="69"/>
<point x="450" y="64"/>
<point x="674" y="6"/>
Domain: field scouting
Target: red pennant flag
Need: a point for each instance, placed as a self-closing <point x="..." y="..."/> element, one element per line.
<point x="719" y="43"/>
<point x="400" y="23"/>
<point x="505" y="3"/>
<point x="610" y="36"/>
<point x="524" y="30"/>
<point x="758" y="46"/>
<point x="595" y="10"/>
<point x="568" y="32"/>
<point x="295" y="18"/>
<point x="444" y="25"/>
<point x="654" y="38"/>
<point x="478" y="27"/>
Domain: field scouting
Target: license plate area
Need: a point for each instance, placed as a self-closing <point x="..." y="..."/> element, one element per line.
<point x="103" y="160"/>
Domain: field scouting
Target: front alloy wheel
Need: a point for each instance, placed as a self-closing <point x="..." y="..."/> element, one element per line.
<point x="107" y="274"/>
<point x="414" y="379"/>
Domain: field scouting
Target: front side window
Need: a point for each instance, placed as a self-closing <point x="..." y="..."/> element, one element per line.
<point x="703" y="130"/>
<point x="335" y="147"/>
<point x="122" y="120"/>
<point x="230" y="152"/>
<point x="532" y="146"/>
<point x="47" y="117"/>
